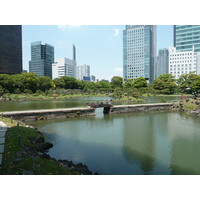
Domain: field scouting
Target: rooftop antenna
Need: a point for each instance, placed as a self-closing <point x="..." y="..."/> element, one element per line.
<point x="74" y="52"/>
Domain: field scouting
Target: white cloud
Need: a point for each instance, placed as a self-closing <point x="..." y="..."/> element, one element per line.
<point x="64" y="27"/>
<point x="118" y="69"/>
<point x="116" y="32"/>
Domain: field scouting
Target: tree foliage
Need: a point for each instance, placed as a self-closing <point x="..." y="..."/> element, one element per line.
<point x="116" y="81"/>
<point x="45" y="83"/>
<point x="165" y="84"/>
<point x="187" y="80"/>
<point x="117" y="94"/>
<point x="127" y="84"/>
<point x="140" y="83"/>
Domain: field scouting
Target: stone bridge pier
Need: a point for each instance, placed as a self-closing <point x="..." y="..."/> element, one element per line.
<point x="105" y="105"/>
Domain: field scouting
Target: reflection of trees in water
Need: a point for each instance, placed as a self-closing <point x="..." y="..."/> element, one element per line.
<point x="185" y="155"/>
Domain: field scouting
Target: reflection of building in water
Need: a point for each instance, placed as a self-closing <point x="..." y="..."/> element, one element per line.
<point x="184" y="134"/>
<point x="146" y="142"/>
<point x="139" y="142"/>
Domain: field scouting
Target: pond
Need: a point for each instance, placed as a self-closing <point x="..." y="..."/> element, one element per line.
<point x="128" y="144"/>
<point x="69" y="103"/>
<point x="131" y="143"/>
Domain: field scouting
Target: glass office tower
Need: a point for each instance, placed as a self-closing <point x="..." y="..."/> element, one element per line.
<point x="139" y="52"/>
<point x="162" y="66"/>
<point x="42" y="57"/>
<point x="187" y="36"/>
<point x="10" y="49"/>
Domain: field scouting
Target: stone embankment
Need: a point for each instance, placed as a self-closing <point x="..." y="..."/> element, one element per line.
<point x="140" y="108"/>
<point x="195" y="112"/>
<point x="30" y="115"/>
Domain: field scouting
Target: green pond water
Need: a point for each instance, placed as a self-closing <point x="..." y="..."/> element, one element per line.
<point x="154" y="143"/>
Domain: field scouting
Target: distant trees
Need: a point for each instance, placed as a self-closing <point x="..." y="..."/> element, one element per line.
<point x="164" y="84"/>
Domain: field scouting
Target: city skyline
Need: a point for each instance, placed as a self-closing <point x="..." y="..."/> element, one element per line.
<point x="100" y="46"/>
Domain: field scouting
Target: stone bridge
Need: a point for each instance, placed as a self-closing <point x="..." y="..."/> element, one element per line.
<point x="105" y="104"/>
<point x="109" y="108"/>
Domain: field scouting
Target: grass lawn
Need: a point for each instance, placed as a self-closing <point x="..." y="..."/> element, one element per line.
<point x="13" y="164"/>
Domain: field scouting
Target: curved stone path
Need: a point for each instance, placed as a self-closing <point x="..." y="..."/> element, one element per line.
<point x="3" y="129"/>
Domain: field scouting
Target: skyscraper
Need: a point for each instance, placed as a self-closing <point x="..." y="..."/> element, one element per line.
<point x="162" y="62"/>
<point x="10" y="49"/>
<point x="187" y="36"/>
<point x="139" y="52"/>
<point x="42" y="57"/>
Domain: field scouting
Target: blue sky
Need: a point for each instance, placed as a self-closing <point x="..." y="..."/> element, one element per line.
<point x="100" y="46"/>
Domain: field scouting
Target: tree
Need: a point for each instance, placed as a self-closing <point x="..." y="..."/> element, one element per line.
<point x="116" y="81"/>
<point x="59" y="82"/>
<point x="139" y="83"/>
<point x="7" y="83"/>
<point x="70" y="82"/>
<point x="164" y="84"/>
<point x="196" y="85"/>
<point x="89" y="87"/>
<point x="103" y="86"/>
<point x="80" y="84"/>
<point x="186" y="81"/>
<point x="127" y="84"/>
<point x="136" y="93"/>
<point x="129" y="91"/>
<point x="45" y="83"/>
<point x="27" y="82"/>
<point x="117" y="94"/>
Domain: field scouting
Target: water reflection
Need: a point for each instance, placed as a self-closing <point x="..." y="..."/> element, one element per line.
<point x="185" y="138"/>
<point x="132" y="143"/>
<point x="138" y="142"/>
<point x="70" y="102"/>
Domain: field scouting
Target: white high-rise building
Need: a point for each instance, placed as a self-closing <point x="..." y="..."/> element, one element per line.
<point x="82" y="72"/>
<point x="183" y="62"/>
<point x="63" y="67"/>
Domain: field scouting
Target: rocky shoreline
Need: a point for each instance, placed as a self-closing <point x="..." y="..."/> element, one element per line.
<point x="179" y="107"/>
<point x="40" y="150"/>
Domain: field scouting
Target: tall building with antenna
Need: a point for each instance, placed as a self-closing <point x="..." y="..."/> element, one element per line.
<point x="65" y="66"/>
